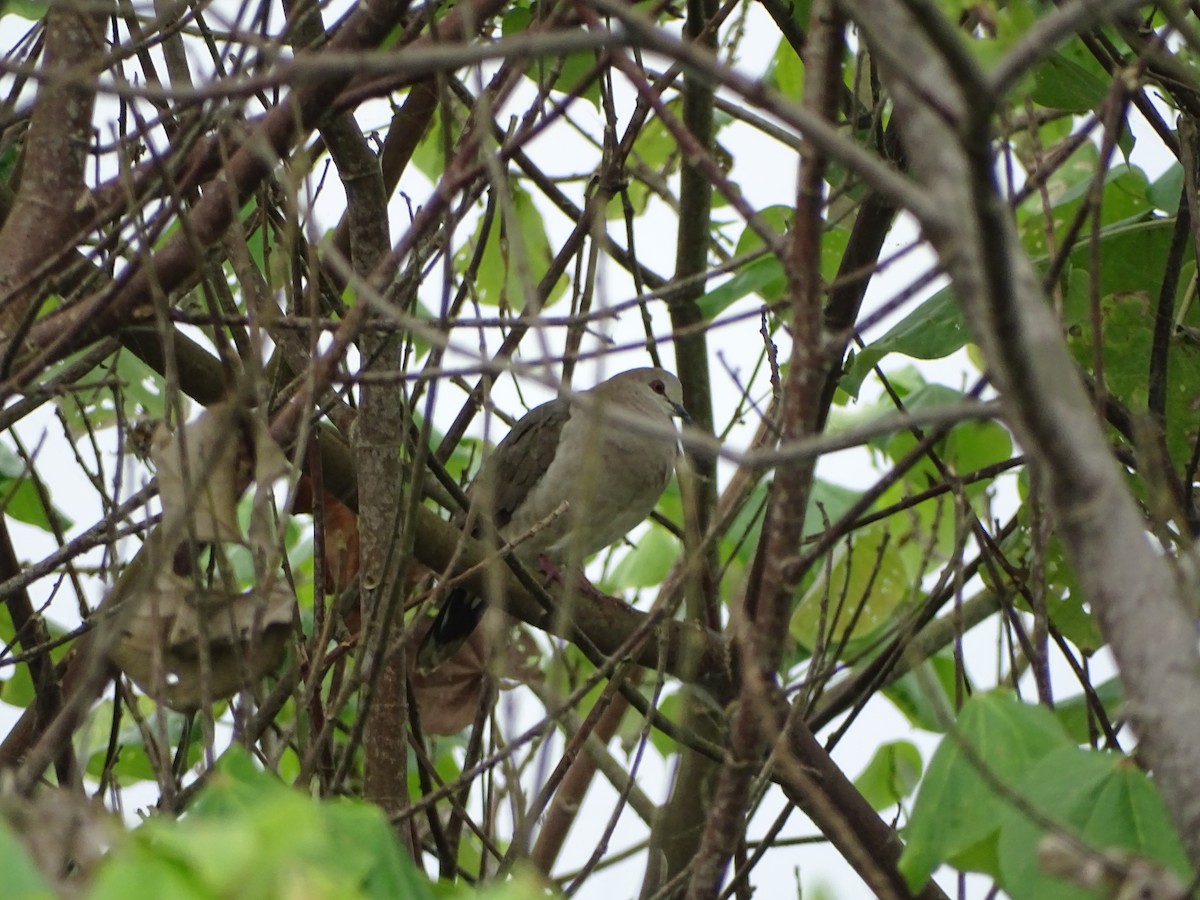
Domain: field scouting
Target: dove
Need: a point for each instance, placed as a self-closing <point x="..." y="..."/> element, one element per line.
<point x="608" y="453"/>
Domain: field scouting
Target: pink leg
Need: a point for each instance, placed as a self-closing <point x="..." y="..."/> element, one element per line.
<point x="553" y="576"/>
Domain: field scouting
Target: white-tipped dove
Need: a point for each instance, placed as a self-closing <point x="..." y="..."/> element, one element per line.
<point x="607" y="452"/>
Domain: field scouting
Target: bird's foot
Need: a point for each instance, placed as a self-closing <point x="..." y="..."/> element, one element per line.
<point x="552" y="575"/>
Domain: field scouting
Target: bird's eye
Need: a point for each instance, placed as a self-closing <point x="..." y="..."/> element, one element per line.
<point x="658" y="387"/>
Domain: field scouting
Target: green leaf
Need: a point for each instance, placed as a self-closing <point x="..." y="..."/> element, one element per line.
<point x="1062" y="82"/>
<point x="430" y="154"/>
<point x="21" y="878"/>
<point x="786" y="71"/>
<point x="925" y="696"/>
<point x="1066" y="603"/>
<point x="250" y="836"/>
<point x="140" y="873"/>
<point x="891" y="775"/>
<point x="132" y="763"/>
<point x="956" y="813"/>
<point x="516" y="256"/>
<point x="17" y="688"/>
<point x="1126" y="140"/>
<point x="856" y="593"/>
<point x="647" y="564"/>
<point x="1165" y="191"/>
<point x="764" y="277"/>
<point x="1125" y="199"/>
<point x="140" y="392"/>
<point x="1127" y="320"/>
<point x="571" y="69"/>
<point x="925" y="532"/>
<point x="1010" y="22"/>
<point x="934" y="329"/>
<point x="741" y="538"/>
<point x="968" y="447"/>
<point x="670" y="706"/>
<point x="1103" y="799"/>
<point x="11" y="465"/>
<point x="1073" y="712"/>
<point x="33" y="10"/>
<point x="827" y="501"/>
<point x="937" y="328"/>
<point x="655" y="150"/>
<point x="575" y="68"/>
<point x="515" y="21"/>
<point x="833" y="248"/>
<point x="1127" y="254"/>
<point x="19" y="496"/>
<point x="778" y="218"/>
<point x="22" y="502"/>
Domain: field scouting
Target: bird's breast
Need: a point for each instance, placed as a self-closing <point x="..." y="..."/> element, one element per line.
<point x="611" y="477"/>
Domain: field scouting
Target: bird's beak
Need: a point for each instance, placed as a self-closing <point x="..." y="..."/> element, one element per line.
<point x="684" y="416"/>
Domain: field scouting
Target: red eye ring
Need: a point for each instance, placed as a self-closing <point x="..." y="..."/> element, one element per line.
<point x="658" y="387"/>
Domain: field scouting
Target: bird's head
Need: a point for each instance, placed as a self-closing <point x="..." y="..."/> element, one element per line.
<point x="647" y="389"/>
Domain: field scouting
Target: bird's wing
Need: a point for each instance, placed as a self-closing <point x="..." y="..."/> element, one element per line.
<point x="520" y="460"/>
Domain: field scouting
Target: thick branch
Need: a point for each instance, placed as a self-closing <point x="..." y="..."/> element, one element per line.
<point x="1140" y="603"/>
<point x="47" y="211"/>
<point x="761" y="624"/>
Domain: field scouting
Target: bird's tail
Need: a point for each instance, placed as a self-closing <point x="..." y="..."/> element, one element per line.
<point x="458" y="617"/>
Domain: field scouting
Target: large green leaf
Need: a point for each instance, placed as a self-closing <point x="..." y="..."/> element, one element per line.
<point x="1125" y="199"/>
<point x="956" y="814"/>
<point x="132" y="762"/>
<point x="786" y="71"/>
<point x="1132" y="256"/>
<point x="1127" y="322"/>
<point x="926" y="532"/>
<point x="91" y="407"/>
<point x="1102" y="799"/>
<point x="968" y="447"/>
<point x="856" y="592"/>
<point x="827" y="501"/>
<point x="1165" y="191"/>
<point x="567" y="72"/>
<point x="429" y="157"/>
<point x="1070" y="80"/>
<point x="1065" y="602"/>
<point x="17" y="689"/>
<point x="20" y="498"/>
<point x="933" y="330"/>
<point x="33" y="10"/>
<point x="763" y="276"/>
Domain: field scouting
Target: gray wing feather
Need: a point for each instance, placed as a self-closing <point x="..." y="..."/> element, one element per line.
<point x="520" y="460"/>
